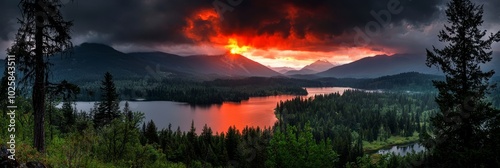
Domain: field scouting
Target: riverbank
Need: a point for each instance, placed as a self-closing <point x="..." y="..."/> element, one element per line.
<point x="372" y="147"/>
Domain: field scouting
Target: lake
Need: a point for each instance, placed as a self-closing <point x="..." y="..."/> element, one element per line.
<point x="254" y="112"/>
<point x="403" y="150"/>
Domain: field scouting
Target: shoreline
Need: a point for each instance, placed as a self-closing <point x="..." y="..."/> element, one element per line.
<point x="373" y="147"/>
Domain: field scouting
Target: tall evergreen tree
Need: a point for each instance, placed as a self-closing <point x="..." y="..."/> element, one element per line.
<point x="151" y="133"/>
<point x="69" y="116"/>
<point x="459" y="132"/>
<point x="129" y="116"/>
<point x="43" y="33"/>
<point x="108" y="107"/>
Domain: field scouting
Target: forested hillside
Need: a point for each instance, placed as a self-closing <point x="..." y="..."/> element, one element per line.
<point x="408" y="81"/>
<point x="237" y="89"/>
<point x="347" y="120"/>
<point x="197" y="92"/>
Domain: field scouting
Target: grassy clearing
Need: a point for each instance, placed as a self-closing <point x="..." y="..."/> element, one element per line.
<point x="391" y="141"/>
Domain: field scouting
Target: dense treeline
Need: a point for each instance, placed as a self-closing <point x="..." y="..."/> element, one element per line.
<point x="409" y="81"/>
<point x="196" y="92"/>
<point x="236" y="90"/>
<point x="348" y="119"/>
<point x="232" y="148"/>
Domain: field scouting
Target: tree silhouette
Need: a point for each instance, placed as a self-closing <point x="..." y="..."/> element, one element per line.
<point x="43" y="33"/>
<point x="68" y="113"/>
<point x="108" y="108"/>
<point x="459" y="131"/>
<point x="151" y="133"/>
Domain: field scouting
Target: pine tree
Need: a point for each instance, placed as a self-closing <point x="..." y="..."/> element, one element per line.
<point x="232" y="142"/>
<point x="458" y="128"/>
<point x="108" y="107"/>
<point x="69" y="117"/>
<point x="129" y="116"/>
<point x="43" y="33"/>
<point x="151" y="133"/>
<point x="143" y="138"/>
<point x="206" y="134"/>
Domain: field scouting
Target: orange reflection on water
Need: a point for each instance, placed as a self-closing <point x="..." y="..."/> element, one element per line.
<point x="255" y="112"/>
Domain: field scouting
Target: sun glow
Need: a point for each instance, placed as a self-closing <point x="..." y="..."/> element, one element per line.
<point x="291" y="49"/>
<point x="234" y="48"/>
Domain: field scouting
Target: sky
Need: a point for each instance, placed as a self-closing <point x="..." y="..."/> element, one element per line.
<point x="276" y="33"/>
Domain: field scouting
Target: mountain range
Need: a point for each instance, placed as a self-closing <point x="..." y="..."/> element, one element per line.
<point x="89" y="61"/>
<point x="315" y="67"/>
<point x="381" y="65"/>
<point x="282" y="70"/>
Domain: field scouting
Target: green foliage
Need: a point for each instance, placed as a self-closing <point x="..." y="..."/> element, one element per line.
<point x="390" y="161"/>
<point x="355" y="116"/>
<point x="232" y="148"/>
<point x="115" y="145"/>
<point x="68" y="117"/>
<point x="151" y="133"/>
<point x="295" y="148"/>
<point x="27" y="153"/>
<point x="391" y="141"/>
<point x="72" y="151"/>
<point x="120" y="139"/>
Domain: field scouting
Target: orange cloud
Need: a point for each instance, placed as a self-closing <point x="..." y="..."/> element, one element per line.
<point x="291" y="48"/>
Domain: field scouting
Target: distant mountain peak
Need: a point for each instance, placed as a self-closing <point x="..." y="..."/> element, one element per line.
<point x="319" y="66"/>
<point x="321" y="61"/>
<point x="315" y="67"/>
<point x="282" y="70"/>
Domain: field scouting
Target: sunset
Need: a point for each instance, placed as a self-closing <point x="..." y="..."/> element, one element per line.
<point x="234" y="48"/>
<point x="287" y="39"/>
<point x="249" y="83"/>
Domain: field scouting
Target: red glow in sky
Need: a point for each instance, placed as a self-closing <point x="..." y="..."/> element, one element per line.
<point x="277" y="49"/>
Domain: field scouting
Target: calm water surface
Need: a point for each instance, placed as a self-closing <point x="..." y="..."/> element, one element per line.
<point x="257" y="111"/>
<point x="403" y="149"/>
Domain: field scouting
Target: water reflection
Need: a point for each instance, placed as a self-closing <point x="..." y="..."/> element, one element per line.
<point x="255" y="112"/>
<point x="404" y="149"/>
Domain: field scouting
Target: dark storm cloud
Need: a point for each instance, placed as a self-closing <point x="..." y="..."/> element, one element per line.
<point x="322" y="16"/>
<point x="492" y="14"/>
<point x="133" y="21"/>
<point x="161" y="22"/>
<point x="8" y="20"/>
